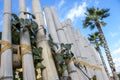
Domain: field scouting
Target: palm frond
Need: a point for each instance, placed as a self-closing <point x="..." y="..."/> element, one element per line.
<point x="105" y="15"/>
<point x="92" y="26"/>
<point x="91" y="11"/>
<point x="95" y="39"/>
<point x="102" y="23"/>
<point x="94" y="15"/>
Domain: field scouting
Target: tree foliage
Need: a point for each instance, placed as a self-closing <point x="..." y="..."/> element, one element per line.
<point x="94" y="16"/>
<point x="95" y="39"/>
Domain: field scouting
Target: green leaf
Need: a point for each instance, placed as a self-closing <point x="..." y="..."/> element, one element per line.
<point x="40" y="59"/>
<point x="68" y="46"/>
<point x="62" y="45"/>
<point x="68" y="56"/>
<point x="30" y="14"/>
<point x="15" y="17"/>
<point x="37" y="51"/>
<point x="50" y="38"/>
<point x="14" y="22"/>
<point x="64" y="67"/>
<point x="24" y="30"/>
<point x="94" y="77"/>
<point x="22" y="22"/>
<point x="34" y="25"/>
<point x="15" y="37"/>
<point x="102" y="23"/>
<point x="45" y="31"/>
<point x="40" y="65"/>
<point x="59" y="59"/>
<point x="62" y="51"/>
<point x="61" y="69"/>
<point x="69" y="78"/>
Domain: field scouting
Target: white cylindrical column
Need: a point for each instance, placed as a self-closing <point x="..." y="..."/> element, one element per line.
<point x="84" y="53"/>
<point x="52" y="31"/>
<point x="69" y="37"/>
<point x="59" y="29"/>
<point x="6" y="56"/>
<point x="61" y="35"/>
<point x="101" y="73"/>
<point x="49" y="73"/>
<point x="81" y="44"/>
<point x="51" y="25"/>
<point x="27" y="59"/>
<point x="72" y="38"/>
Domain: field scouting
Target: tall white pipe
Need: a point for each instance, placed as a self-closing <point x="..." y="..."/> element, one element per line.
<point x="69" y="37"/>
<point x="51" y="25"/>
<point x="84" y="53"/>
<point x="61" y="35"/>
<point x="72" y="35"/>
<point x="27" y="59"/>
<point x="59" y="29"/>
<point x="74" y="38"/>
<point x="6" y="56"/>
<point x="101" y="73"/>
<point x="49" y="73"/>
<point x="52" y="31"/>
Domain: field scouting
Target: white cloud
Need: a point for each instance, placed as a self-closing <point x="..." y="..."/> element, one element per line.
<point x="117" y="64"/>
<point x="116" y="51"/>
<point x="117" y="44"/>
<point x="77" y="11"/>
<point x="61" y="3"/>
<point x="113" y="34"/>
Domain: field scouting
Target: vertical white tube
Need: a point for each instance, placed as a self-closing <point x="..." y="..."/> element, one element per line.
<point x="6" y="56"/>
<point x="61" y="35"/>
<point x="27" y="59"/>
<point x="49" y="73"/>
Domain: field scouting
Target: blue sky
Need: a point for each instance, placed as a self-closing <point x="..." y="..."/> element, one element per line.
<point x="75" y="9"/>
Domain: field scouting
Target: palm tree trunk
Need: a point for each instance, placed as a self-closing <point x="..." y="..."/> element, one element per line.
<point x="6" y="56"/>
<point x="103" y="61"/>
<point x="107" y="51"/>
<point x="71" y="67"/>
<point x="27" y="59"/>
<point x="50" y="72"/>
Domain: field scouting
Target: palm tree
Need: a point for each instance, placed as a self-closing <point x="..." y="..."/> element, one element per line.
<point x="95" y="40"/>
<point x="94" y="18"/>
